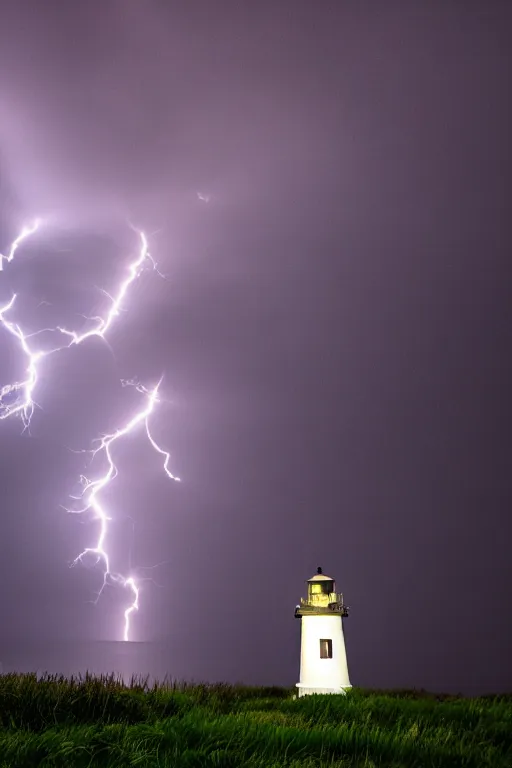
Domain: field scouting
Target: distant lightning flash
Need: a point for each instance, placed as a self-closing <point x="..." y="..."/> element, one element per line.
<point x="16" y="399"/>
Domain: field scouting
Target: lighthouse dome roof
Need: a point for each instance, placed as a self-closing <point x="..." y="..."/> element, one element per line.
<point x="319" y="576"/>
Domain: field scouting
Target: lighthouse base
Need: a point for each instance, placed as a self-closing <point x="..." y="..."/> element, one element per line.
<point x="307" y="690"/>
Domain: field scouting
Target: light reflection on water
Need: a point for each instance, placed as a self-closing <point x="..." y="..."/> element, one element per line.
<point x="124" y="660"/>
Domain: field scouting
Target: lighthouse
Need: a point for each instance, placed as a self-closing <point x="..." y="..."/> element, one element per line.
<point x="323" y="659"/>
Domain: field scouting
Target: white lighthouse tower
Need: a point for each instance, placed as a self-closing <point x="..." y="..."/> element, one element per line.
<point x="323" y="659"/>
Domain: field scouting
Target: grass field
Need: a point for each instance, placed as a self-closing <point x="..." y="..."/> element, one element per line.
<point x="58" y="722"/>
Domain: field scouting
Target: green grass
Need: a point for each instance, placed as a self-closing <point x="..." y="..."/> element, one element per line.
<point x="101" y="722"/>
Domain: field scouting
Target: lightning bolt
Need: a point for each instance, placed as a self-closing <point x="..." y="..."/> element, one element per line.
<point x="21" y="391"/>
<point x="17" y="399"/>
<point x="92" y="489"/>
<point x="104" y="323"/>
<point x="25" y="232"/>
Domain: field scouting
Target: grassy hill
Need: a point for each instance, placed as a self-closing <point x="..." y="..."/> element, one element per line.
<point x="93" y="722"/>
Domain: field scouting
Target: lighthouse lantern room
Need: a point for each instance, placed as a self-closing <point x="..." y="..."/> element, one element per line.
<point x="323" y="659"/>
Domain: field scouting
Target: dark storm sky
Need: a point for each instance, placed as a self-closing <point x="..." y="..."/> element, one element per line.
<point x="335" y="331"/>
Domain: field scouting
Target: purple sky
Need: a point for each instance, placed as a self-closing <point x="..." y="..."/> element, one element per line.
<point x="335" y="329"/>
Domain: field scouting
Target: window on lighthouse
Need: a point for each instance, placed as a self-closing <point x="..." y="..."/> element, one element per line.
<point x="326" y="649"/>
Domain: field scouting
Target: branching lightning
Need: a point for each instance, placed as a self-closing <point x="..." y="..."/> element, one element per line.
<point x="17" y="399"/>
<point x="92" y="489"/>
<point x="21" y="391"/>
<point x="104" y="323"/>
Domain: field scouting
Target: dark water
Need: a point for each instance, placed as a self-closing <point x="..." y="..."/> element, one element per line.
<point x="156" y="661"/>
<point x="196" y="658"/>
